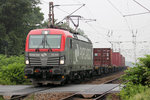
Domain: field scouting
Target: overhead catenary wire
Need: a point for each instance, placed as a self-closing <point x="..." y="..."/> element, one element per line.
<point x="58" y="7"/>
<point x="63" y="10"/>
<point x="108" y="29"/>
<point x="90" y="13"/>
<point x="76" y="9"/>
<point x="130" y="19"/>
<point x="97" y="31"/>
<point x="96" y="20"/>
<point x="102" y="28"/>
<point x="99" y="27"/>
<point x="62" y="4"/>
<point x="72" y="13"/>
<point x="135" y="14"/>
<point x="128" y="25"/>
<point x="120" y="14"/>
<point x="44" y="2"/>
<point x="141" y="5"/>
<point x="69" y="5"/>
<point x="115" y="7"/>
<point x="91" y="34"/>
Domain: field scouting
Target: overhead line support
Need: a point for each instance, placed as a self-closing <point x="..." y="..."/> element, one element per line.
<point x="51" y="15"/>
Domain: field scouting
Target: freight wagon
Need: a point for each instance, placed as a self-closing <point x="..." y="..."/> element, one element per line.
<point x="107" y="61"/>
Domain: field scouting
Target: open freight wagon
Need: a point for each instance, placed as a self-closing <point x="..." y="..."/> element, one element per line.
<point x="107" y="61"/>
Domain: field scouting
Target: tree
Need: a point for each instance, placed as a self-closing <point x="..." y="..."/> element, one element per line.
<point x="17" y="18"/>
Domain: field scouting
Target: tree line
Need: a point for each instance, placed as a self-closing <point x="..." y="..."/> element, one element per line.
<point x="17" y="18"/>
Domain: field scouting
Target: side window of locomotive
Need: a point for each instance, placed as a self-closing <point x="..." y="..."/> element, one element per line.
<point x="70" y="43"/>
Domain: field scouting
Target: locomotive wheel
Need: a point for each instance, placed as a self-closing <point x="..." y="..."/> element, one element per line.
<point x="68" y="80"/>
<point x="62" y="83"/>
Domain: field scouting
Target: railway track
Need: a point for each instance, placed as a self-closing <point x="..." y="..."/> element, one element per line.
<point x="22" y="93"/>
<point x="104" y="79"/>
<point x="84" y="95"/>
<point x="102" y="96"/>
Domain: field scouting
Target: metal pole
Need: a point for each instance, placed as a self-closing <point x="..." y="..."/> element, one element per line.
<point x="49" y="23"/>
<point x="134" y="43"/>
<point x="67" y="20"/>
<point x="51" y="14"/>
<point x="52" y="6"/>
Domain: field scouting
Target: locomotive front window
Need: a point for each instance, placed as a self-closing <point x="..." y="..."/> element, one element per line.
<point x="45" y="41"/>
<point x="53" y="41"/>
<point x="35" y="41"/>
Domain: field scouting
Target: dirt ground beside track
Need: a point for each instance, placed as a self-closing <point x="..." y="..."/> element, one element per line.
<point x="51" y="96"/>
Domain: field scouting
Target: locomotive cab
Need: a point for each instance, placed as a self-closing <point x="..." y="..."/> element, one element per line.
<point x="45" y="56"/>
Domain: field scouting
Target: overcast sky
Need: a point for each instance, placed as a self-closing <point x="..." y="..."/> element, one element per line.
<point x="109" y="17"/>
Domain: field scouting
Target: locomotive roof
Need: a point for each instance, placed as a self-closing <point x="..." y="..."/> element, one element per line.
<point x="51" y="31"/>
<point x="59" y="31"/>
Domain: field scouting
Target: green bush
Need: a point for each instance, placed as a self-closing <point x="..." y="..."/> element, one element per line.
<point x="9" y="60"/>
<point x="131" y="90"/>
<point x="137" y="79"/>
<point x="1" y="98"/>
<point x="12" y="70"/>
<point x="137" y="75"/>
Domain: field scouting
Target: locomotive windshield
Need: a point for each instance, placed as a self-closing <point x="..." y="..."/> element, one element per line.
<point x="45" y="41"/>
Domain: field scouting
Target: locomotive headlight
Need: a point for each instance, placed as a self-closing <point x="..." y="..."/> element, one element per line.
<point x="27" y="62"/>
<point x="62" y="60"/>
<point x="45" y="32"/>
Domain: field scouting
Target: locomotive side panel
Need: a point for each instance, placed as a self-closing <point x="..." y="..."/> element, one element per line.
<point x="68" y="55"/>
<point x="82" y="55"/>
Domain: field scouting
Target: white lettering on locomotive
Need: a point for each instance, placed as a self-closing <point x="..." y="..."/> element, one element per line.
<point x="82" y="53"/>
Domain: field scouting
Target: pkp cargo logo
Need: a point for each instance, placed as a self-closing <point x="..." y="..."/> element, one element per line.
<point x="43" y="55"/>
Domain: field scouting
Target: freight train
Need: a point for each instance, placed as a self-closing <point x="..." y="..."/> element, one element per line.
<point x="55" y="56"/>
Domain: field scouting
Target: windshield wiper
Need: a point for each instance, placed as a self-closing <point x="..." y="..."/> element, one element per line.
<point x="37" y="49"/>
<point x="49" y="48"/>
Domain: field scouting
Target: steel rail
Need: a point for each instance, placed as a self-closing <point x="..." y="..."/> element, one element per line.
<point x="109" y="81"/>
<point x="77" y="94"/>
<point x="105" y="93"/>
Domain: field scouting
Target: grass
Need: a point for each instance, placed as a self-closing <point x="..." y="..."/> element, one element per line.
<point x="142" y="96"/>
